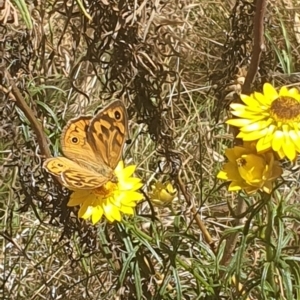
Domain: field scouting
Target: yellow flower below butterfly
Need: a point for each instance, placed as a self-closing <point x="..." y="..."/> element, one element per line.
<point x="271" y="118"/>
<point x="111" y="199"/>
<point x="249" y="170"/>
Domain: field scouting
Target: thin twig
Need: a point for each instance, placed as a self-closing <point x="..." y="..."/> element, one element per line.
<point x="258" y="45"/>
<point x="201" y="225"/>
<point x="36" y="125"/>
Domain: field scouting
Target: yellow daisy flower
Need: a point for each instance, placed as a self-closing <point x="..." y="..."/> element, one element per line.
<point x="111" y="199"/>
<point x="162" y="194"/>
<point x="249" y="170"/>
<point x="272" y="119"/>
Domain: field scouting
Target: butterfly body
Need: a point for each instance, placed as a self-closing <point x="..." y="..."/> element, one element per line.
<point x="92" y="147"/>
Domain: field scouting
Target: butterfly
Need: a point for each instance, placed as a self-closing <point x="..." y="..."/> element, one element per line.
<point x="92" y="148"/>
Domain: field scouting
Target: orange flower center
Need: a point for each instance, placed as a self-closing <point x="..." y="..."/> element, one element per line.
<point x="285" y="109"/>
<point x="241" y="162"/>
<point x="107" y="190"/>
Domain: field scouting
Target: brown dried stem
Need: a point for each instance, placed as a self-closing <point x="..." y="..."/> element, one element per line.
<point x="258" y="46"/>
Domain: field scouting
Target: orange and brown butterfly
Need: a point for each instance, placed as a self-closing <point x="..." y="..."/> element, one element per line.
<point x="92" y="148"/>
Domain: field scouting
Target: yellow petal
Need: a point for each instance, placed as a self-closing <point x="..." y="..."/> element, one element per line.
<point x="277" y="140"/>
<point x="281" y="154"/>
<point x="251" y="189"/>
<point x="222" y="175"/>
<point x="127" y="210"/>
<point x="264" y="101"/>
<point x="239" y="122"/>
<point x="234" y="186"/>
<point x="268" y="187"/>
<point x="78" y="197"/>
<point x="294" y="93"/>
<point x="250" y="101"/>
<point x="289" y="149"/>
<point x="253" y="136"/>
<point x="97" y="214"/>
<point x="263" y="145"/>
<point x="119" y="167"/>
<point x="284" y="91"/>
<point x="233" y="153"/>
<point x="258" y="126"/>
<point x="112" y="213"/>
<point x="134" y="196"/>
<point x="131" y="183"/>
<point x="85" y="211"/>
<point x="270" y="92"/>
<point x="232" y="172"/>
<point x="241" y="109"/>
<point x="295" y="138"/>
<point x="128" y="171"/>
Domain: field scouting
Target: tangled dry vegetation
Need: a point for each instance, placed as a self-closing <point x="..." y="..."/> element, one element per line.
<point x="176" y="65"/>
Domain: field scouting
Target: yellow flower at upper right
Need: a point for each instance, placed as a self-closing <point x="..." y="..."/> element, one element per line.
<point x="271" y="118"/>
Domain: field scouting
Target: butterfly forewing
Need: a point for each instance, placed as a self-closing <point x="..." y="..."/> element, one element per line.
<point x="75" y="146"/>
<point x="74" y="139"/>
<point x="107" y="133"/>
